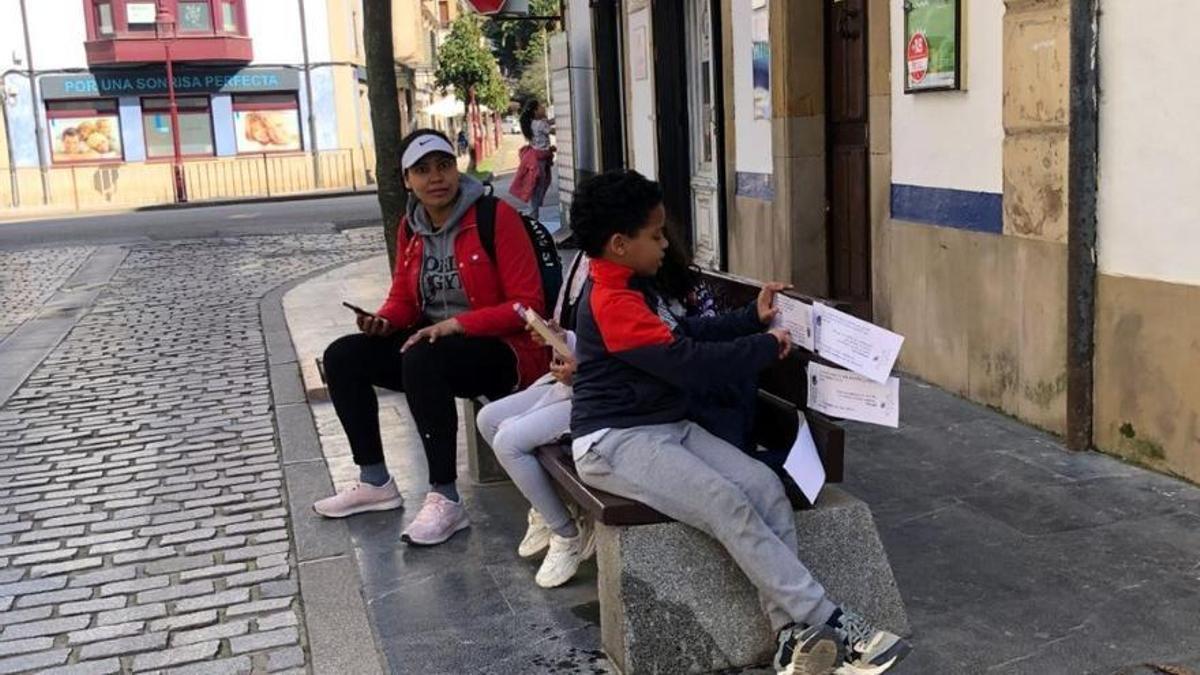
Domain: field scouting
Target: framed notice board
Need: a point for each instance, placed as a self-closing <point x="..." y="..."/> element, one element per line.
<point x="933" y="50"/>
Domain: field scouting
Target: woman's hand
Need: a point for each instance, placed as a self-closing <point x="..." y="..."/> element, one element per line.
<point x="440" y="329"/>
<point x="563" y="370"/>
<point x="766" y="301"/>
<point x="784" y="339"/>
<point x="375" y="326"/>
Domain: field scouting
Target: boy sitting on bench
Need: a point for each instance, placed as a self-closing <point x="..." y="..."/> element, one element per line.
<point x="631" y="435"/>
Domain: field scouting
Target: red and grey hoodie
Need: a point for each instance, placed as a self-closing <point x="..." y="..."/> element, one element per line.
<point x="436" y="272"/>
<point x="634" y="371"/>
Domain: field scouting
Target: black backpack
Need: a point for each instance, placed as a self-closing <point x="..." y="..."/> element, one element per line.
<point x="548" y="261"/>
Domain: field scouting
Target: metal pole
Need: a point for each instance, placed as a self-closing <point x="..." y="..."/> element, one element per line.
<point x="308" y="91"/>
<point x="177" y="164"/>
<point x="34" y="95"/>
<point x="12" y="162"/>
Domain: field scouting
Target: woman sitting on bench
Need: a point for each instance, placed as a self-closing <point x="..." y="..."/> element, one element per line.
<point x="446" y="330"/>
<point x="516" y="426"/>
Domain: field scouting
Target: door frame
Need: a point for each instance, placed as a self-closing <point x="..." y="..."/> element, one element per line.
<point x="864" y="307"/>
<point x="674" y="168"/>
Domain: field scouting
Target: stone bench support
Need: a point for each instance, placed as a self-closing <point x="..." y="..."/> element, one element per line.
<point x="673" y="601"/>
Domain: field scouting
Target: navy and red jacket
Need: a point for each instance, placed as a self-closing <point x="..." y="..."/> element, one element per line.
<point x="634" y="371"/>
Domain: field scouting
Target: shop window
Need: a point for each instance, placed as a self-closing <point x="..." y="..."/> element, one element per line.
<point x="140" y="16"/>
<point x="195" y="127"/>
<point x="267" y="123"/>
<point x="104" y="18"/>
<point x="195" y="17"/>
<point x="84" y="131"/>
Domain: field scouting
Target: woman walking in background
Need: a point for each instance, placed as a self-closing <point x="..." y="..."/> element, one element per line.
<point x="537" y="158"/>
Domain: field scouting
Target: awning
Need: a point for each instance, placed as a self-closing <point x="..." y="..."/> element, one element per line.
<point x="449" y="107"/>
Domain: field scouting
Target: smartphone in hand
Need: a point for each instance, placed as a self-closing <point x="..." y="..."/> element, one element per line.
<point x="357" y="310"/>
<point x="539" y="325"/>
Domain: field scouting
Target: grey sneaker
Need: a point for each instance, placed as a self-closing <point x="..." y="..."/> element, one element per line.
<point x="808" y="650"/>
<point x="868" y="650"/>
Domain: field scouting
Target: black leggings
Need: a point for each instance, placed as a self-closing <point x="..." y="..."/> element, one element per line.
<point x="430" y="375"/>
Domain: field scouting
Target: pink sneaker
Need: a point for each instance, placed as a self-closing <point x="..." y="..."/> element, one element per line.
<point x="360" y="499"/>
<point x="438" y="520"/>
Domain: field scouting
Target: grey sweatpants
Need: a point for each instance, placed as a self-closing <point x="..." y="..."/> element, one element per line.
<point x="700" y="480"/>
<point x="515" y="426"/>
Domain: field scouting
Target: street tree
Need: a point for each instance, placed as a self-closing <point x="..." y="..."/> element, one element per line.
<point x="466" y="64"/>
<point x="385" y="117"/>
<point x="520" y="44"/>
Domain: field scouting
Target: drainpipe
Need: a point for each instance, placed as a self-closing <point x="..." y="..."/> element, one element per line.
<point x="34" y="97"/>
<point x="1082" y="185"/>
<point x="12" y="162"/>
<point x="312" y="116"/>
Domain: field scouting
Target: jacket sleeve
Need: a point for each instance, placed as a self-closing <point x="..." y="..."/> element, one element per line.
<point x="635" y="335"/>
<point x="400" y="308"/>
<point x="520" y="280"/>
<point x="727" y="326"/>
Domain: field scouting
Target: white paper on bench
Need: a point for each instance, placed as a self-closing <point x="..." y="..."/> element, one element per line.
<point x="796" y="318"/>
<point x="803" y="463"/>
<point x="853" y="343"/>
<point x="851" y="396"/>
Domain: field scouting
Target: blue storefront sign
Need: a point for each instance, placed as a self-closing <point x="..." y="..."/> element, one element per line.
<point x="141" y="82"/>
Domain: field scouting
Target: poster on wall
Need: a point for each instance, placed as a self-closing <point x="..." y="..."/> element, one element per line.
<point x="932" y="45"/>
<point x="760" y="35"/>
<point x="267" y="130"/>
<point x="85" y="139"/>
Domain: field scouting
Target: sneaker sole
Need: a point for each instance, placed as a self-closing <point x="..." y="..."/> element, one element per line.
<point x="389" y="505"/>
<point x="820" y="660"/>
<point x="898" y="653"/>
<point x="462" y="525"/>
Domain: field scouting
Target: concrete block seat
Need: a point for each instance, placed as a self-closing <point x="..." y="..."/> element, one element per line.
<point x="673" y="601"/>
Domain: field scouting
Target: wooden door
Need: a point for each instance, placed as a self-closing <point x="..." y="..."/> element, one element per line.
<point x="848" y="154"/>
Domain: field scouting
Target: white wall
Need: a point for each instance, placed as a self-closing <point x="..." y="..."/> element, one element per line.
<point x="274" y="28"/>
<point x="56" y="30"/>
<point x="1149" y="202"/>
<point x="953" y="139"/>
<point x="753" y="136"/>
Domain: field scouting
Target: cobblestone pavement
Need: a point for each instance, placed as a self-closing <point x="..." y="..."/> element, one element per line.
<point x="28" y="278"/>
<point x="142" y="522"/>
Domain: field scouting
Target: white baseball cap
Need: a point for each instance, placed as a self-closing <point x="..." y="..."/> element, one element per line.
<point x="423" y="145"/>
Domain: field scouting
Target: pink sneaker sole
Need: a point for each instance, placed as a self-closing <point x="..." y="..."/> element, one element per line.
<point x="462" y="524"/>
<point x="389" y="505"/>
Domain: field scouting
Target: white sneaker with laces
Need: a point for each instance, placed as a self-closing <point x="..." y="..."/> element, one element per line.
<point x="537" y="536"/>
<point x="565" y="556"/>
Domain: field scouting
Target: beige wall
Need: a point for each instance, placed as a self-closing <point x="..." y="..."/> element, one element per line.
<point x="1147" y="363"/>
<point x="984" y="315"/>
<point x="1147" y="393"/>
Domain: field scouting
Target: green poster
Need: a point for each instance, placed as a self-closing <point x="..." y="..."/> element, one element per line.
<point x="932" y="45"/>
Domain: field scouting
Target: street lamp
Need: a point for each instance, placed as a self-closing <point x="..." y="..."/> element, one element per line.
<point x="164" y="23"/>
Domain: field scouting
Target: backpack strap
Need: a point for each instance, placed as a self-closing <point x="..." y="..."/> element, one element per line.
<point x="485" y="221"/>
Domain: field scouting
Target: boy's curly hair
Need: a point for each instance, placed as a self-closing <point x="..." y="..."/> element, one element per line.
<point x="614" y="202"/>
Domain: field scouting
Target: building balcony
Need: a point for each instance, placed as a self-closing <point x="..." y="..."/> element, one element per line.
<point x="139" y="50"/>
